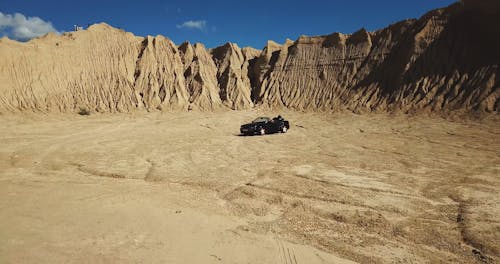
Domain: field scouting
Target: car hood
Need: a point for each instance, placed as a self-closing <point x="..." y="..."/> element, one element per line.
<point x="250" y="125"/>
<point x="253" y="125"/>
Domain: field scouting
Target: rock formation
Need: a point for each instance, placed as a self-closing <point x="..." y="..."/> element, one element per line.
<point x="448" y="60"/>
<point x="159" y="75"/>
<point x="233" y="74"/>
<point x="201" y="76"/>
<point x="440" y="62"/>
<point x="63" y="73"/>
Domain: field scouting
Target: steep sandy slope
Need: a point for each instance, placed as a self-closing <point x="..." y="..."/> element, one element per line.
<point x="63" y="73"/>
<point x="446" y="60"/>
<point x="108" y="70"/>
<point x="159" y="79"/>
<point x="233" y="74"/>
<point x="201" y="76"/>
<point x="100" y="69"/>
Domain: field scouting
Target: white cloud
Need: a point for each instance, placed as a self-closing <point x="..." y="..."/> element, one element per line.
<point x="194" y="24"/>
<point x="20" y="27"/>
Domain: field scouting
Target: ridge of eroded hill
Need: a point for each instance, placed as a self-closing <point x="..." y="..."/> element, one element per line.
<point x="448" y="60"/>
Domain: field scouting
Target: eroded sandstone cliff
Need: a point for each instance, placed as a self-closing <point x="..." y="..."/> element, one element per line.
<point x="200" y="72"/>
<point x="448" y="60"/>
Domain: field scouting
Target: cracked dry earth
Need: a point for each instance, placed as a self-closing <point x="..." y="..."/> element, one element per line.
<point x="185" y="188"/>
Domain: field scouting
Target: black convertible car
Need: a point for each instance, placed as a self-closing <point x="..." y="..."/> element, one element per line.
<point x="265" y="125"/>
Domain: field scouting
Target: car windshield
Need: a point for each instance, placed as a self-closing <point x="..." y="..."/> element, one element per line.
<point x="261" y="119"/>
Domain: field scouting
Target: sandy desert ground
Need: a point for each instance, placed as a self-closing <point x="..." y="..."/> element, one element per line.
<point x="186" y="188"/>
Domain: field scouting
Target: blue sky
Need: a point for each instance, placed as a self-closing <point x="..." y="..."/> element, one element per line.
<point x="248" y="23"/>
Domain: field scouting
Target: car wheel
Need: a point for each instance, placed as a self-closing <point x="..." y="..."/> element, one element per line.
<point x="284" y="129"/>
<point x="262" y="131"/>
